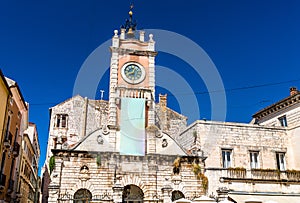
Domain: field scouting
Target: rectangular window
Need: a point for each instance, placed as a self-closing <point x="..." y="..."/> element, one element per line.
<point x="61" y="120"/>
<point x="226" y="158"/>
<point x="3" y="162"/>
<point x="16" y="135"/>
<point x="283" y="121"/>
<point x="280" y="159"/>
<point x="7" y="128"/>
<point x="254" y="159"/>
<point x="57" y="121"/>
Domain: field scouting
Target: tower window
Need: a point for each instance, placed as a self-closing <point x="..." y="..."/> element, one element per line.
<point x="280" y="160"/>
<point x="226" y="158"/>
<point x="283" y="121"/>
<point x="254" y="159"/>
<point x="61" y="120"/>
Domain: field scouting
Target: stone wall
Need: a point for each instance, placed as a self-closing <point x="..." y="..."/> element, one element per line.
<point x="151" y="173"/>
<point x="84" y="116"/>
<point x="212" y="137"/>
<point x="292" y="114"/>
<point x="167" y="120"/>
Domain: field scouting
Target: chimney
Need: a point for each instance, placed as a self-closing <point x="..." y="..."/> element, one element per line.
<point x="293" y="91"/>
<point x="163" y="100"/>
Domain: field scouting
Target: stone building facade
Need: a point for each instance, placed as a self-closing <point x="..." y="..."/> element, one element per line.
<point x="30" y="154"/>
<point x="91" y="158"/>
<point x="123" y="149"/>
<point x="5" y="95"/>
<point x="13" y="126"/>
<point x="257" y="161"/>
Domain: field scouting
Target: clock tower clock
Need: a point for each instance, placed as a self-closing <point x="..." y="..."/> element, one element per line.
<point x="132" y="88"/>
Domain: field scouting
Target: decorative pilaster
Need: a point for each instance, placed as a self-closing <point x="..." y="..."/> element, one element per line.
<point x="152" y="132"/>
<point x="113" y="80"/>
<point x="54" y="186"/>
<point x="222" y="193"/>
<point x="117" y="192"/>
<point x="166" y="190"/>
<point x="151" y="43"/>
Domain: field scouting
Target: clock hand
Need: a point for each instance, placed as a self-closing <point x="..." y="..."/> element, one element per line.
<point x="130" y="72"/>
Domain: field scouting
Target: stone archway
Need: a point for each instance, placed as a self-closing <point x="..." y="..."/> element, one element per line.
<point x="82" y="196"/>
<point x="176" y="194"/>
<point x="132" y="194"/>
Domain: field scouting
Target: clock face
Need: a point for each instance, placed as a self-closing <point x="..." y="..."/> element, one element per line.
<point x="133" y="73"/>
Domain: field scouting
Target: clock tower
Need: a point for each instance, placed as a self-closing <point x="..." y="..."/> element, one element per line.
<point x="132" y="88"/>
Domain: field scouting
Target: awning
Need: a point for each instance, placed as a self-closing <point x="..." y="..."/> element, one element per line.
<point x="204" y="199"/>
<point x="182" y="200"/>
<point x="265" y="198"/>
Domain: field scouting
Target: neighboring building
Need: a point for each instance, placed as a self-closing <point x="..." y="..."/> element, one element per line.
<point x="16" y="106"/>
<point x="29" y="181"/>
<point x="286" y="114"/>
<point x="257" y="161"/>
<point x="15" y="111"/>
<point x="5" y="95"/>
<point x="131" y="149"/>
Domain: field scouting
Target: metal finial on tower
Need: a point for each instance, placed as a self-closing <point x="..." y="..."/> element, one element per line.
<point x="130" y="24"/>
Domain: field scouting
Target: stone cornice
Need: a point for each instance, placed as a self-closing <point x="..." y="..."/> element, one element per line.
<point x="123" y="51"/>
<point x="278" y="106"/>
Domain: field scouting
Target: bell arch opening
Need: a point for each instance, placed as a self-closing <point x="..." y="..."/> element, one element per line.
<point x="176" y="194"/>
<point x="132" y="194"/>
<point x="82" y="196"/>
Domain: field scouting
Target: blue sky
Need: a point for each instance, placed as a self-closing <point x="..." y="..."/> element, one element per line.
<point x="43" y="45"/>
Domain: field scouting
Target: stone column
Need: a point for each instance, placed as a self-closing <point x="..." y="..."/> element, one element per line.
<point x="117" y="192"/>
<point x="114" y="63"/>
<point x="151" y="58"/>
<point x="53" y="193"/>
<point x="55" y="185"/>
<point x="166" y="190"/>
<point x="222" y="193"/>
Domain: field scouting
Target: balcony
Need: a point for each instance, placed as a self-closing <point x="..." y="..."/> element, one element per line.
<point x="2" y="181"/>
<point x="256" y="175"/>
<point x="16" y="149"/>
<point x="8" y="140"/>
<point x="134" y="92"/>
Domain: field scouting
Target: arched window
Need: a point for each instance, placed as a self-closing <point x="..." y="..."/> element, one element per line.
<point x="176" y="194"/>
<point x="82" y="196"/>
<point x="132" y="194"/>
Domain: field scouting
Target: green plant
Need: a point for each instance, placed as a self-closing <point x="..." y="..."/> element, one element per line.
<point x="204" y="180"/>
<point x="176" y="162"/>
<point x="176" y="165"/>
<point x="196" y="168"/>
<point x="200" y="176"/>
<point x="98" y="160"/>
<point x="51" y="164"/>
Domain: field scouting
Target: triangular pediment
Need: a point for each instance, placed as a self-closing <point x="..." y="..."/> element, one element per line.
<point x="96" y="141"/>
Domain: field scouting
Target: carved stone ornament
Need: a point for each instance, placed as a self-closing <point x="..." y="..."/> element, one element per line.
<point x="164" y="143"/>
<point x="100" y="139"/>
<point x="105" y="130"/>
<point x="84" y="173"/>
<point x="65" y="145"/>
